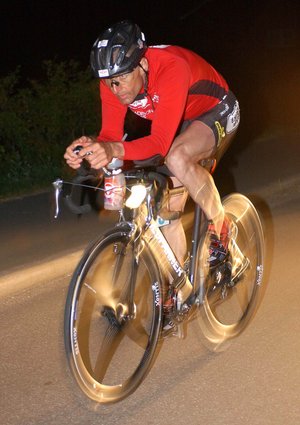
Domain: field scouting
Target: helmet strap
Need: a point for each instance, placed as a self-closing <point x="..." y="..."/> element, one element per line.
<point x="146" y="79"/>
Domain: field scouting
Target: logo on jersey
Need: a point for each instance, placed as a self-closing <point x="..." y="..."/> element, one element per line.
<point x="144" y="107"/>
<point x="221" y="132"/>
<point x="142" y="103"/>
<point x="233" y="118"/>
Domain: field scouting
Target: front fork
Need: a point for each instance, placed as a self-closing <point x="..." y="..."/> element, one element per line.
<point x="133" y="247"/>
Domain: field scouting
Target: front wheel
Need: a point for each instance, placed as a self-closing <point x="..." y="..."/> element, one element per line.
<point x="228" y="304"/>
<point x="113" y="317"/>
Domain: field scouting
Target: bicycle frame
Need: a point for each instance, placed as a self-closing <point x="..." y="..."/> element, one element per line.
<point x="158" y="244"/>
<point x="129" y="290"/>
<point x="162" y="252"/>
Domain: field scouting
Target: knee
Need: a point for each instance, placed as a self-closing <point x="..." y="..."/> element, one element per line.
<point x="177" y="160"/>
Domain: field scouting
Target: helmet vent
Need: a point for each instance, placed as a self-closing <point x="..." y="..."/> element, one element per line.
<point x="118" y="50"/>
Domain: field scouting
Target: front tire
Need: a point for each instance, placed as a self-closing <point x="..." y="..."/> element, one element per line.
<point x="111" y="343"/>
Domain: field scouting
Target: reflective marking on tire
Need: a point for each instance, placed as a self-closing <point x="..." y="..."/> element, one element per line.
<point x="75" y="341"/>
<point x="155" y="289"/>
<point x="260" y="270"/>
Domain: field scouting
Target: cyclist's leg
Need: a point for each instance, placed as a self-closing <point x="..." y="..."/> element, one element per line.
<point x="195" y="143"/>
<point x="208" y="135"/>
<point x="174" y="232"/>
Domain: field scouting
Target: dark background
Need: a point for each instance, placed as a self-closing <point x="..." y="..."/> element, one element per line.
<point x="254" y="44"/>
<point x="228" y="33"/>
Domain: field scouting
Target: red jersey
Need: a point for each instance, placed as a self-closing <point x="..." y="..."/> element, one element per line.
<point x="181" y="86"/>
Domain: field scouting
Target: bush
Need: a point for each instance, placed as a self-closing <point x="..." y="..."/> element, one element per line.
<point x="38" y="119"/>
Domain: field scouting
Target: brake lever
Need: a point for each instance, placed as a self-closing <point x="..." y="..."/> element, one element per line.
<point x="58" y="184"/>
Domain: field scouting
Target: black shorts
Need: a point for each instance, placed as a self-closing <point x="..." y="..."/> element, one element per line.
<point x="223" y="119"/>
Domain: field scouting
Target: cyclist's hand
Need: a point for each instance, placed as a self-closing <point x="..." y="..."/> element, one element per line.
<point x="98" y="154"/>
<point x="73" y="159"/>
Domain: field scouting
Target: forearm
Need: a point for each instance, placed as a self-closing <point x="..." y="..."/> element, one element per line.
<point x="117" y="150"/>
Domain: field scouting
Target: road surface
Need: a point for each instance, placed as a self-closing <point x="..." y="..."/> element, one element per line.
<point x="255" y="381"/>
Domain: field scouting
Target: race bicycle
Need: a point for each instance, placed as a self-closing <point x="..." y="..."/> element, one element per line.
<point x="119" y="295"/>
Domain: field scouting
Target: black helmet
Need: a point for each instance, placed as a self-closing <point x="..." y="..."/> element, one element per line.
<point x="118" y="50"/>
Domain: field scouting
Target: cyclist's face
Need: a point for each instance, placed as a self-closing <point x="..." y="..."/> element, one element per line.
<point x="127" y="86"/>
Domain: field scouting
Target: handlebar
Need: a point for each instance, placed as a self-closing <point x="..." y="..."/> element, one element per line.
<point x="84" y="174"/>
<point x="139" y="169"/>
<point x="143" y="170"/>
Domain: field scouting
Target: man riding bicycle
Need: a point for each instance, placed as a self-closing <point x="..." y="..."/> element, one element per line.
<point x="193" y="116"/>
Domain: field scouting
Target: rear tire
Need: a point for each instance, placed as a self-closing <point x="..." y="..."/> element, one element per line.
<point x="110" y="348"/>
<point x="226" y="311"/>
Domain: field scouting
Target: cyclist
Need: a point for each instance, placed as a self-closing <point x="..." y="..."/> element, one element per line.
<point x="194" y="116"/>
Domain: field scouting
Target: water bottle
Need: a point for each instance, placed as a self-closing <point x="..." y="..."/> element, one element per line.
<point x="114" y="186"/>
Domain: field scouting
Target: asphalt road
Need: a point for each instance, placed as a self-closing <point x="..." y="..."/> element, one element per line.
<point x="255" y="381"/>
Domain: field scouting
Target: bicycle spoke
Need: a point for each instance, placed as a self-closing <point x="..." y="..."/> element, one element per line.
<point x="109" y="344"/>
<point x="113" y="336"/>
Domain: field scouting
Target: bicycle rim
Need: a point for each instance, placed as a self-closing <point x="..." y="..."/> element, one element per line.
<point x="110" y="352"/>
<point x="226" y="311"/>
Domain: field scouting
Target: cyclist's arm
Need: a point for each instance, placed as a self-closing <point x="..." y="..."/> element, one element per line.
<point x="172" y="87"/>
<point x="113" y="116"/>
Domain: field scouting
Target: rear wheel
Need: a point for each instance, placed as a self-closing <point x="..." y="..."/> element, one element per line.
<point x="113" y="317"/>
<point x="231" y="297"/>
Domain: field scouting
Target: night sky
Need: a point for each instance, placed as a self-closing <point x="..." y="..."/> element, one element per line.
<point x="37" y="30"/>
<point x="255" y="44"/>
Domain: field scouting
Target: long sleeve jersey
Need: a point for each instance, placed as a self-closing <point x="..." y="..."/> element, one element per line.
<point x="181" y="86"/>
